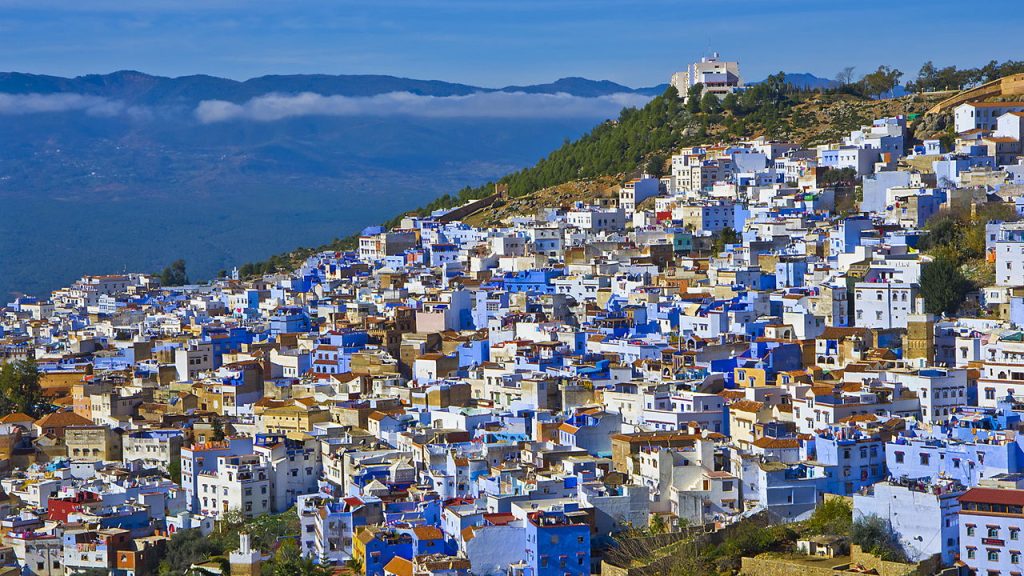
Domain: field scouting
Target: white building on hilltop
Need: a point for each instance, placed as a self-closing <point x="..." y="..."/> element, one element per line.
<point x="718" y="77"/>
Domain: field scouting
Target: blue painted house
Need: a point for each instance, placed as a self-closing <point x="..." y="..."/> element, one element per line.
<point x="532" y="281"/>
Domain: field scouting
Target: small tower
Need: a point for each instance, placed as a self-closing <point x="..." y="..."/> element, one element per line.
<point x="920" y="338"/>
<point x="245" y="561"/>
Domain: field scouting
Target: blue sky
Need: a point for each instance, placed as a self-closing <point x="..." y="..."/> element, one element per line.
<point x="494" y="43"/>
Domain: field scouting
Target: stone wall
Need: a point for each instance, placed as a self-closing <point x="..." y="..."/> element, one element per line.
<point x="467" y="209"/>
<point x="1007" y="86"/>
<point x="763" y="566"/>
<point x="770" y="566"/>
<point x="885" y="568"/>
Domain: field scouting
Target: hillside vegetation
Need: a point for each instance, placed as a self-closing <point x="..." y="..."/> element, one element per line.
<point x="646" y="137"/>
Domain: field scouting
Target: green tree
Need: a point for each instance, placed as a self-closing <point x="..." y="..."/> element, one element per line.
<point x="185" y="548"/>
<point x="693" y="98"/>
<point x="288" y="561"/>
<point x="874" y="535"/>
<point x="944" y="229"/>
<point x="265" y="529"/>
<point x="881" y="81"/>
<point x="839" y="177"/>
<point x="731" y="102"/>
<point x="833" y="517"/>
<point x="19" y="388"/>
<point x="959" y="236"/>
<point x="655" y="166"/>
<point x="943" y="286"/>
<point x="218" y="430"/>
<point x="710" y="104"/>
<point x="725" y="237"/>
<point x="175" y="274"/>
<point x="947" y="140"/>
<point x="174" y="471"/>
<point x="749" y="539"/>
<point x="658" y="525"/>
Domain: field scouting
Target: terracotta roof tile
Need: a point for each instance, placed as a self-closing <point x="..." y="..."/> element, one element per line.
<point x="62" y="420"/>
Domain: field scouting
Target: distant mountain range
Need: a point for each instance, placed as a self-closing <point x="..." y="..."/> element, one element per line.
<point x="139" y="88"/>
<point x="107" y="172"/>
<point x="145" y="89"/>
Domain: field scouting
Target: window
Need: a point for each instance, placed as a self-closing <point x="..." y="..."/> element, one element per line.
<point x="993" y="532"/>
<point x="971" y="553"/>
<point x="925" y="458"/>
<point x="993" y="555"/>
<point x="899" y="457"/>
<point x="1014" y="533"/>
<point x="970" y="530"/>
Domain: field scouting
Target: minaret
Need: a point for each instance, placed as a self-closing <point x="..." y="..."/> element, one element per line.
<point x="245" y="561"/>
<point x="919" y="342"/>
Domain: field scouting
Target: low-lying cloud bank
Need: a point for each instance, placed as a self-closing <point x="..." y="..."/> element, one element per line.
<point x="271" y="107"/>
<point x="20" y="104"/>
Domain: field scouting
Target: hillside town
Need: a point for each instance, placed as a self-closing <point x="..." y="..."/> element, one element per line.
<point x="760" y="330"/>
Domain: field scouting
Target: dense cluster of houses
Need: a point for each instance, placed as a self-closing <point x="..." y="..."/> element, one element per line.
<point x="450" y="399"/>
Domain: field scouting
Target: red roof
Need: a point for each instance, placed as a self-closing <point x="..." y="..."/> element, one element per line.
<point x="499" y="518"/>
<point x="62" y="420"/>
<point x="994" y="496"/>
<point x="16" y="418"/>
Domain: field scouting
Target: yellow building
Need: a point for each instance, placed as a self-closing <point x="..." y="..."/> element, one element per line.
<point x="744" y="417"/>
<point x="750" y="377"/>
<point x="93" y="443"/>
<point x="294" y="415"/>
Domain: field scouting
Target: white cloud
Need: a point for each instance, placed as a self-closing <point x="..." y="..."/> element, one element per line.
<point x="18" y="104"/>
<point x="271" y="107"/>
